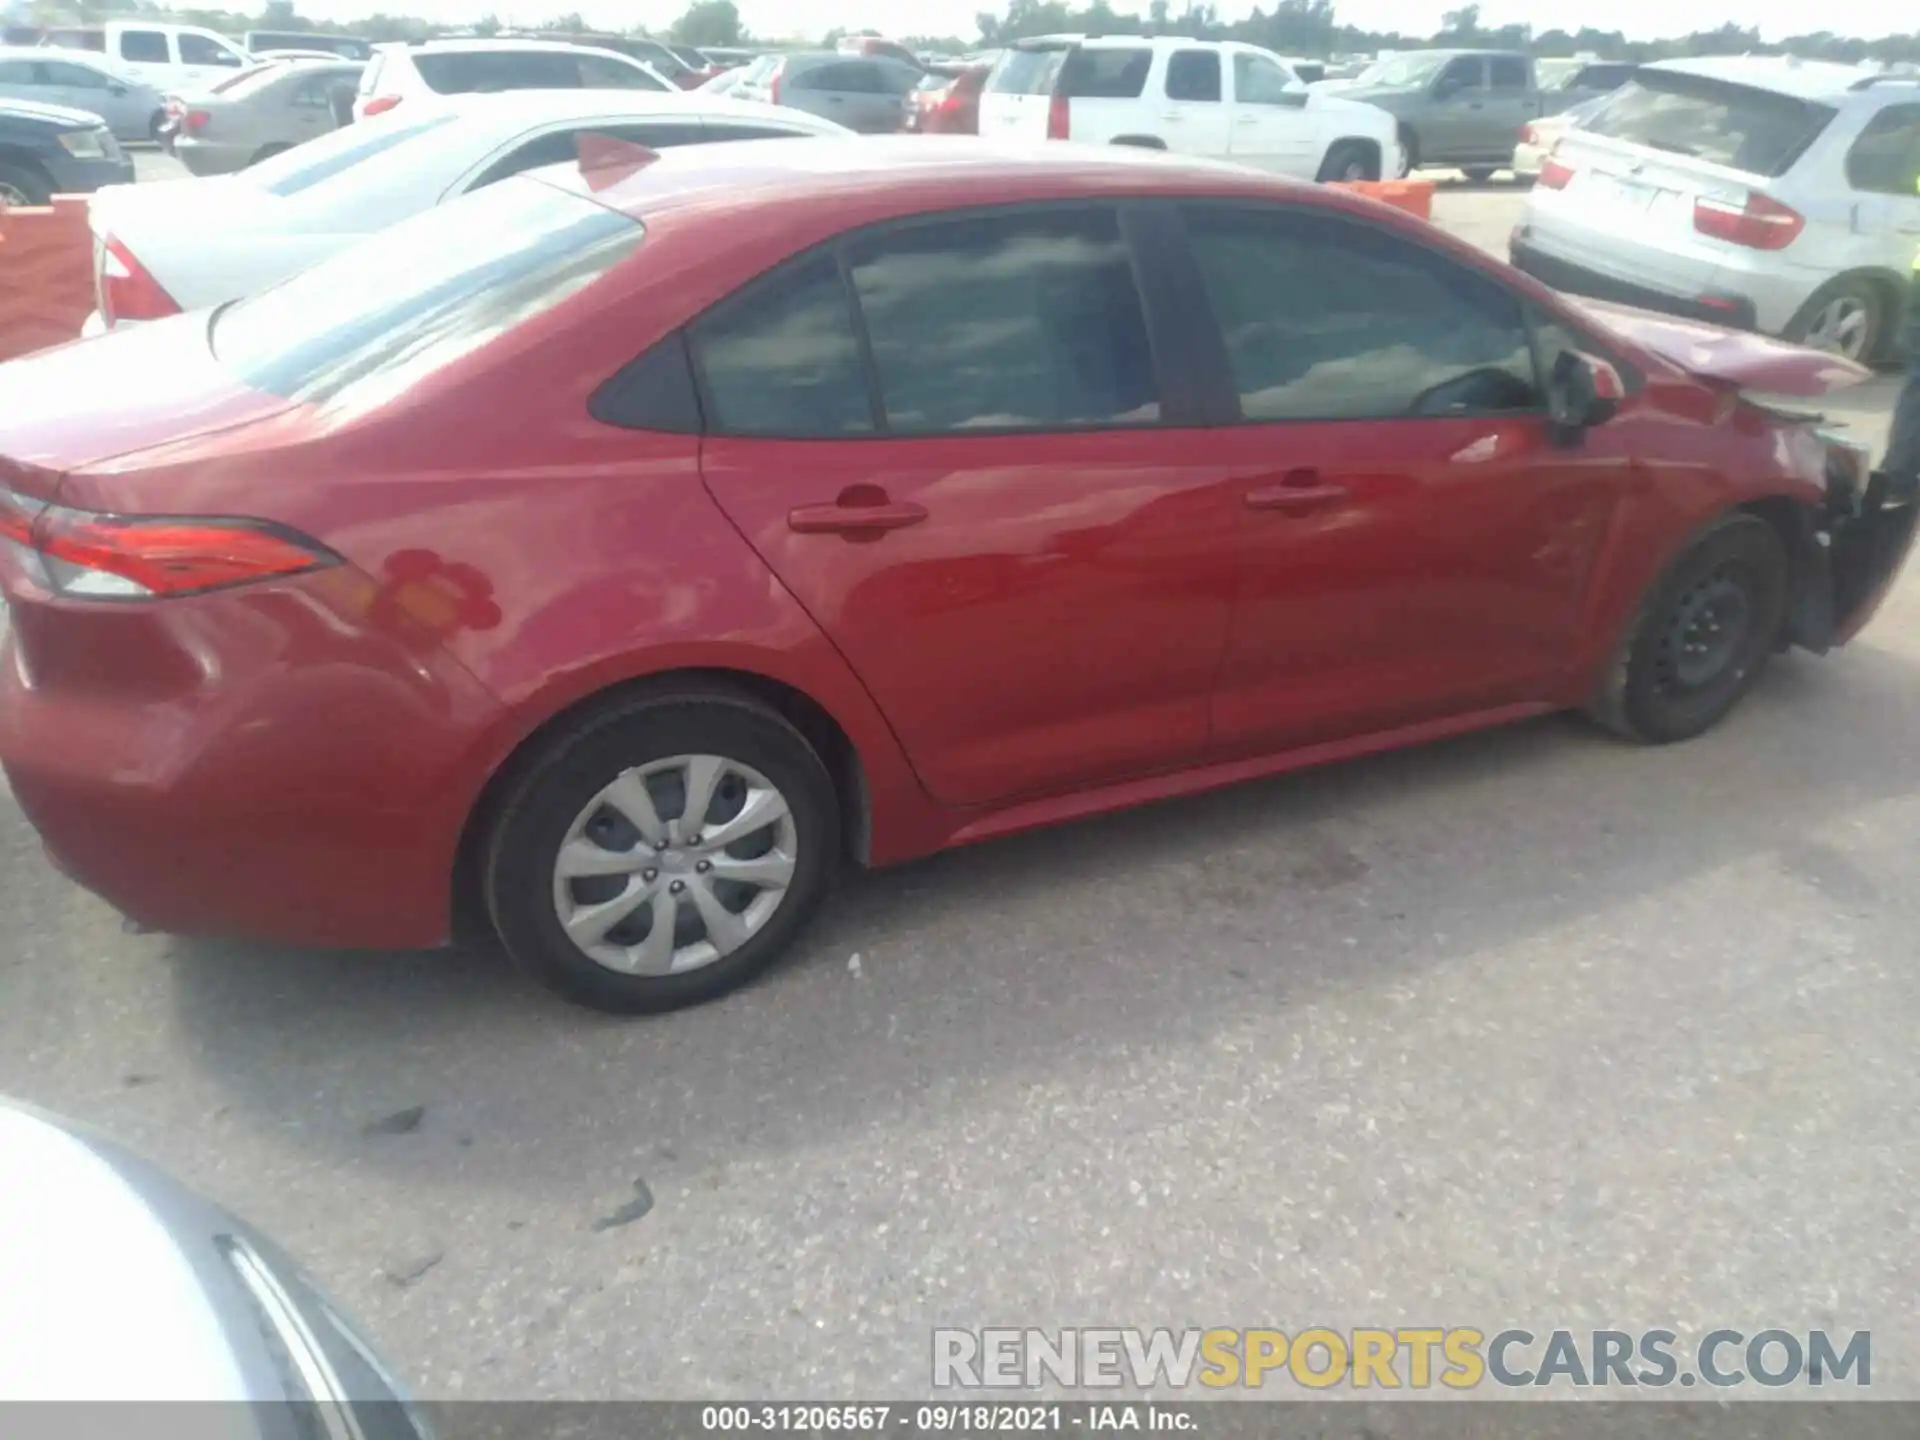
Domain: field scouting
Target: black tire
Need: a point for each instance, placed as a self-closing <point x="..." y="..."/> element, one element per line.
<point x="1409" y="153"/>
<point x="22" y="184"/>
<point x="267" y="152"/>
<point x="575" y="764"/>
<point x="155" y="125"/>
<point x="1658" y="690"/>
<point x="1870" y="301"/>
<point x="1480" y="174"/>
<point x="1350" y="160"/>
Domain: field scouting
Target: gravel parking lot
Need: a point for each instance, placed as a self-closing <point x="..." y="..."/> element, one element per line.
<point x="1531" y="1028"/>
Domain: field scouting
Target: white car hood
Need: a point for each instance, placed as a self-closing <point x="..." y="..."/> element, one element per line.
<point x="1378" y="120"/>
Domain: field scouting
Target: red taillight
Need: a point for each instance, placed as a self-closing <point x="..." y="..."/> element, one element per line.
<point x="127" y="291"/>
<point x="1059" y="119"/>
<point x="1554" y="174"/>
<point x="194" y="121"/>
<point x="378" y="105"/>
<point x="143" y="557"/>
<point x="1760" y="224"/>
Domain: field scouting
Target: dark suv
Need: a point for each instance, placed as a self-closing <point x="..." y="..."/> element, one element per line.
<point x="46" y="151"/>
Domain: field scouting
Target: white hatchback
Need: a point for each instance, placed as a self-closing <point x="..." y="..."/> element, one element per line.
<point x="1766" y="193"/>
<point x="185" y="244"/>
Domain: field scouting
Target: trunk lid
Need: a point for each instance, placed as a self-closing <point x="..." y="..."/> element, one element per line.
<point x="1736" y="358"/>
<point x="1018" y="93"/>
<point x="167" y="388"/>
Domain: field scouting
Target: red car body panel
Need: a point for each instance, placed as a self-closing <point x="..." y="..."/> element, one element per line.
<point x="506" y="557"/>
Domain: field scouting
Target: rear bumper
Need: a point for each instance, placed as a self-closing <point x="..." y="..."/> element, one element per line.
<point x="258" y="764"/>
<point x="1736" y="311"/>
<point x="206" y="158"/>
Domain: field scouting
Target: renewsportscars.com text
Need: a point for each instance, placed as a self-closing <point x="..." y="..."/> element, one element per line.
<point x="1416" y="1358"/>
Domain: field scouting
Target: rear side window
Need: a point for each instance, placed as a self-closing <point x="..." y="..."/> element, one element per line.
<point x="145" y="46"/>
<point x="1005" y="322"/>
<point x="1886" y="157"/>
<point x="846" y="77"/>
<point x="361" y="327"/>
<point x="781" y="358"/>
<point x="1194" y="75"/>
<point x="1328" y="320"/>
<point x="1026" y="72"/>
<point x="1105" y="74"/>
<point x="558" y="147"/>
<point x="1509" y="72"/>
<point x="304" y="166"/>
<point x="467" y="72"/>
<point x="200" y="50"/>
<point x="1759" y="131"/>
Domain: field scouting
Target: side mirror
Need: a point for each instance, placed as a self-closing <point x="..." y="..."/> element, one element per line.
<point x="1582" y="391"/>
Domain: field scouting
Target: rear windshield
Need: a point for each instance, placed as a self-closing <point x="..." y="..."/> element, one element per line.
<point x="1026" y="72"/>
<point x="463" y="72"/>
<point x="1759" y="131"/>
<point x="304" y="166"/>
<point x="1102" y="74"/>
<point x="380" y="316"/>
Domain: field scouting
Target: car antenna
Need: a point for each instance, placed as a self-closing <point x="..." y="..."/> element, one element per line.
<point x="606" y="159"/>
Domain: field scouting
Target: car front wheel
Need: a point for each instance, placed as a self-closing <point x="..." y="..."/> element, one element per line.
<point x="661" y="852"/>
<point x="1701" y="636"/>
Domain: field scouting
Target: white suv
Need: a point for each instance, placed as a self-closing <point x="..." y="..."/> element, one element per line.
<point x="467" y="67"/>
<point x="1194" y="97"/>
<point x="1760" y="192"/>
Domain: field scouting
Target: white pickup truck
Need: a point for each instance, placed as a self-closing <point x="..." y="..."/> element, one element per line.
<point x="1219" y="100"/>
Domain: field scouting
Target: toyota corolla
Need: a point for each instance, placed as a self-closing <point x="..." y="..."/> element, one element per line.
<point x="612" y="554"/>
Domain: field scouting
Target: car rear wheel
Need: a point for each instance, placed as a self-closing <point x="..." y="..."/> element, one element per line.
<point x="1349" y="161"/>
<point x="1701" y="636"/>
<point x="1845" y="318"/>
<point x="23" y="185"/>
<point x="661" y="852"/>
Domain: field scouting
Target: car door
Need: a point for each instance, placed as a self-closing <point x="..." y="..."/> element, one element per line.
<point x="1510" y="103"/>
<point x="1415" y="545"/>
<point x="307" y="107"/>
<point x="984" y="492"/>
<point x="1453" y="129"/>
<point x="1270" y="126"/>
<point x="1193" y="111"/>
<point x="872" y="108"/>
<point x="84" y="88"/>
<point x="1884" y="216"/>
<point x="26" y="80"/>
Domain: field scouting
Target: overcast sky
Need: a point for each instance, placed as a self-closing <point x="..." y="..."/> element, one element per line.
<point x="1640" y="19"/>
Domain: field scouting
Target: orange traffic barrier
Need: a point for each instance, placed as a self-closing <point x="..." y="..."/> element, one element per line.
<point x="1413" y="196"/>
<point x="46" y="274"/>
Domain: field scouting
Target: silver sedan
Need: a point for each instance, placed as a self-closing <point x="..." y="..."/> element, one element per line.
<point x="75" y="80"/>
<point x="259" y="113"/>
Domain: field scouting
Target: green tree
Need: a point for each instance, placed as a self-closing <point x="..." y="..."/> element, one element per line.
<point x="710" y="22"/>
<point x="1461" y="24"/>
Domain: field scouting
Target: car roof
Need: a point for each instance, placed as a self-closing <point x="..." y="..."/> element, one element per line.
<point x="881" y="176"/>
<point x="1802" y="79"/>
<point x="509" y="43"/>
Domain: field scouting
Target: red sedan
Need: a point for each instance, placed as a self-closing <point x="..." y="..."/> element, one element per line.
<point x="612" y="555"/>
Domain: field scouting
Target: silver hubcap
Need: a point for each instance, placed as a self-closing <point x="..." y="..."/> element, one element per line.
<point x="674" y="865"/>
<point x="1841" y="327"/>
<point x="12" y="194"/>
